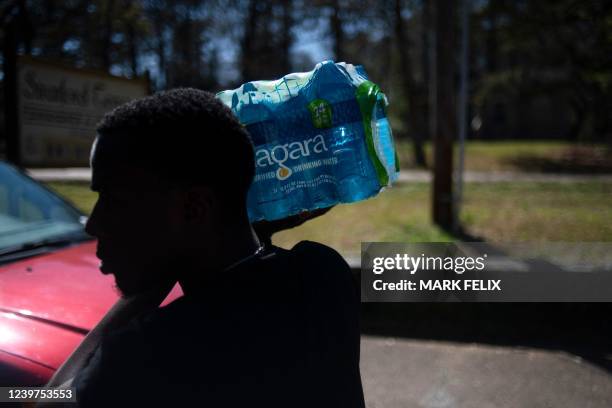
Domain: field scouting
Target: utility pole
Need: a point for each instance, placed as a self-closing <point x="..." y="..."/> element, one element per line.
<point x="443" y="125"/>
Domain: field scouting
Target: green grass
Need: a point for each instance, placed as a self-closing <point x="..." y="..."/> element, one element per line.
<point x="78" y="193"/>
<point x="536" y="155"/>
<point x="518" y="211"/>
<point x="539" y="211"/>
<point x="398" y="214"/>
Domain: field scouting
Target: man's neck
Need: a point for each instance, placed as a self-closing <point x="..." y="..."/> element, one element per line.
<point x="235" y="244"/>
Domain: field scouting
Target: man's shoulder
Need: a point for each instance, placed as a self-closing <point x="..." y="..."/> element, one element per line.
<point x="325" y="271"/>
<point x="320" y="254"/>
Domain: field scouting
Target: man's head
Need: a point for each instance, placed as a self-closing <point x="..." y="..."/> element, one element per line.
<point x="172" y="171"/>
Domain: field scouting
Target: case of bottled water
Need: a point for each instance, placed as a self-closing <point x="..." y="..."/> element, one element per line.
<point x="321" y="138"/>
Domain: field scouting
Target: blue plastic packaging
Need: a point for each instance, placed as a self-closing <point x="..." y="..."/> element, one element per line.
<point x="321" y="138"/>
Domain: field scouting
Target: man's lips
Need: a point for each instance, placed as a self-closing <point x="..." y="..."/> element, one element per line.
<point x="102" y="255"/>
<point x="103" y="262"/>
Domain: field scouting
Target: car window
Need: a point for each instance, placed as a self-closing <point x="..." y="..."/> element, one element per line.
<point x="29" y="213"/>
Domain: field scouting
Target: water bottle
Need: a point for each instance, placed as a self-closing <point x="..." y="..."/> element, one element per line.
<point x="321" y="138"/>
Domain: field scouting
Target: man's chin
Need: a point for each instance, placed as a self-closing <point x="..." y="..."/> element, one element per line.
<point x="131" y="281"/>
<point x="127" y="290"/>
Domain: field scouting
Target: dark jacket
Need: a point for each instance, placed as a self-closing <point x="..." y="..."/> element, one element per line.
<point x="281" y="330"/>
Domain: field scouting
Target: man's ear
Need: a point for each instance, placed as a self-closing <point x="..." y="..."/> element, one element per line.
<point x="200" y="204"/>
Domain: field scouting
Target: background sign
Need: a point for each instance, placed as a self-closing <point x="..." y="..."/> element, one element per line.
<point x="59" y="107"/>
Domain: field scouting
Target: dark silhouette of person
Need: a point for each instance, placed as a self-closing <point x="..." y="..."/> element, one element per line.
<point x="258" y="325"/>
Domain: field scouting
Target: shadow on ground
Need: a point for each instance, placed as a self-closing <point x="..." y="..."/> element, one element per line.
<point x="576" y="160"/>
<point x="582" y="329"/>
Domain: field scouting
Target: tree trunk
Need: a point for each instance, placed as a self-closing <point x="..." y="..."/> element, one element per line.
<point x="248" y="40"/>
<point x="9" y="66"/>
<point x="337" y="31"/>
<point x="161" y="50"/>
<point x="410" y="115"/>
<point x="491" y="42"/>
<point x="26" y="28"/>
<point x="107" y="35"/>
<point x="286" y="39"/>
<point x="445" y="112"/>
<point x="132" y="48"/>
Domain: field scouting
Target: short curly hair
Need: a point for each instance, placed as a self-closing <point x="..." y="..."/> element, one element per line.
<point x="187" y="136"/>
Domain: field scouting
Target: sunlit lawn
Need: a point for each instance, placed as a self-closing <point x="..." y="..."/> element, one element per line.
<point x="539" y="211"/>
<point x="78" y="193"/>
<point x="519" y="155"/>
<point x="517" y="211"/>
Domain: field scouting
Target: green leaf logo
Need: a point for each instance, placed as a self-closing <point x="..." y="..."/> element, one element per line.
<point x="321" y="113"/>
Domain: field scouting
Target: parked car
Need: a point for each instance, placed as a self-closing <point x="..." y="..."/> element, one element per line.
<point x="51" y="291"/>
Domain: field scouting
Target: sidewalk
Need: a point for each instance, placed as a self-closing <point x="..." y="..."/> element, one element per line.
<point x="68" y="174"/>
<point x="398" y="373"/>
<point x="406" y="176"/>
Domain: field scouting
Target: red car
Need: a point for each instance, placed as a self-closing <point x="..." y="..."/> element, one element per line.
<point x="51" y="291"/>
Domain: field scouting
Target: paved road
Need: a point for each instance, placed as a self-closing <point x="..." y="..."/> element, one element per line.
<point x="409" y="373"/>
<point x="406" y="176"/>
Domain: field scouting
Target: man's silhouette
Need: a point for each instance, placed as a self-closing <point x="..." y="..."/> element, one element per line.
<point x="258" y="325"/>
